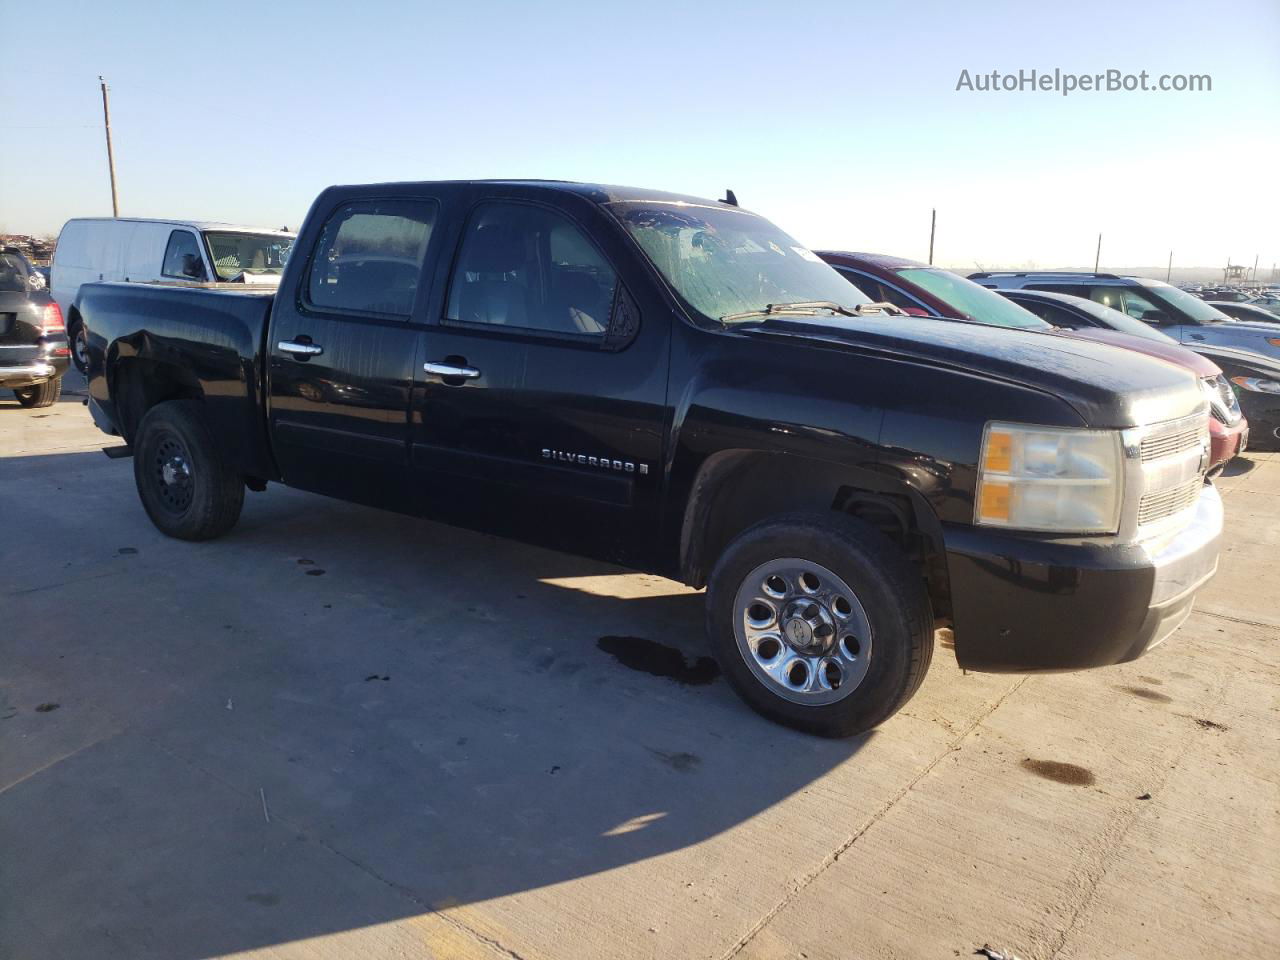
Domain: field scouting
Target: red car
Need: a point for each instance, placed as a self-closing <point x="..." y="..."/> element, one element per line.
<point x="924" y="291"/>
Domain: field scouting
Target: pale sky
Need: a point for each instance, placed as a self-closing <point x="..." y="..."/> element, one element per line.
<point x="840" y="121"/>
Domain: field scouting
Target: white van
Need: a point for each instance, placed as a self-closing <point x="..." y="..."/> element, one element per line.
<point x="159" y="251"/>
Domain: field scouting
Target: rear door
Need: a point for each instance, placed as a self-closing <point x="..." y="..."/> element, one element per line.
<point x="542" y="406"/>
<point x="343" y="349"/>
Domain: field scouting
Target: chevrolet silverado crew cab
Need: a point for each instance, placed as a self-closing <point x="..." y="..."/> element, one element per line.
<point x="677" y="386"/>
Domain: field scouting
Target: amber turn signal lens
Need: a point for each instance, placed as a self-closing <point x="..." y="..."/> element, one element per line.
<point x="999" y="453"/>
<point x="995" y="501"/>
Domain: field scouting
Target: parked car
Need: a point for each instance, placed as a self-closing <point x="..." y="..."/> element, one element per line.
<point x="1228" y="428"/>
<point x="159" y="251"/>
<point x="1256" y="380"/>
<point x="1254" y="310"/>
<point x="675" y="385"/>
<point x="1181" y="315"/>
<point x="932" y="291"/>
<point x="33" y="340"/>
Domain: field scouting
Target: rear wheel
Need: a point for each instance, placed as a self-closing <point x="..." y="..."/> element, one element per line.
<point x="79" y="345"/>
<point x="820" y="623"/>
<point x="41" y="395"/>
<point x="185" y="484"/>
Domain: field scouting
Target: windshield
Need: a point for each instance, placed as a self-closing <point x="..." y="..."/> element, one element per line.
<point x="253" y="253"/>
<point x="971" y="301"/>
<point x="725" y="262"/>
<point x="1184" y="303"/>
<point x="13" y="274"/>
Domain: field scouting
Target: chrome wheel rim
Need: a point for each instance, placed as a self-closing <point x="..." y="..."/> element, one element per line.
<point x="802" y="631"/>
<point x="172" y="468"/>
<point x="81" y="347"/>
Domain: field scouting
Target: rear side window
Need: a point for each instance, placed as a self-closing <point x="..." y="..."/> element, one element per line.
<point x="1054" y="314"/>
<point x="13" y="274"/>
<point x="182" y="257"/>
<point x="528" y="267"/>
<point x="369" y="257"/>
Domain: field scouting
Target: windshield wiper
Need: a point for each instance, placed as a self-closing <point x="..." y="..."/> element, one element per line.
<point x="805" y="306"/>
<point x="810" y="307"/>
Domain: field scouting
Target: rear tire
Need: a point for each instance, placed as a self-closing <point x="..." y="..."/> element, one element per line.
<point x="820" y="623"/>
<point x="79" y="344"/>
<point x="185" y="484"/>
<point x="41" y="395"/>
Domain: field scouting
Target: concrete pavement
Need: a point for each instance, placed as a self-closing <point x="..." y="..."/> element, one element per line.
<point x="343" y="733"/>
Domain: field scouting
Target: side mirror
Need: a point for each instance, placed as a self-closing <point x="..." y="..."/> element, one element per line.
<point x="1158" y="317"/>
<point x="192" y="267"/>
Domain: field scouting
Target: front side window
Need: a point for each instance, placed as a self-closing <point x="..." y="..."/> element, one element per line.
<point x="250" y="253"/>
<point x="528" y="267"/>
<point x="1179" y="304"/>
<point x="728" y="263"/>
<point x="369" y="257"/>
<point x="182" y="258"/>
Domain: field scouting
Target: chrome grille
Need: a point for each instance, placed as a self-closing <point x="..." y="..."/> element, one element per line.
<point x="1165" y="503"/>
<point x="1159" y="447"/>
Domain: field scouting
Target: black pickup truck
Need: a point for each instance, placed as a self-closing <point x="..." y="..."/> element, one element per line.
<point x="675" y="385"/>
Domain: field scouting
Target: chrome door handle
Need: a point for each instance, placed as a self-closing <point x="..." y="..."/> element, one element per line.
<point x="450" y="371"/>
<point x="300" y="349"/>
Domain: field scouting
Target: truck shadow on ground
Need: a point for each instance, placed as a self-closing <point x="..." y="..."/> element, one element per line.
<point x="338" y="717"/>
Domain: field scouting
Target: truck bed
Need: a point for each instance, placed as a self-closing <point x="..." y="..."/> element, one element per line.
<point x="179" y="341"/>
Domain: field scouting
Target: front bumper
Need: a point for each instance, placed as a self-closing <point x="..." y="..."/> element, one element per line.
<point x="1023" y="604"/>
<point x="1226" y="443"/>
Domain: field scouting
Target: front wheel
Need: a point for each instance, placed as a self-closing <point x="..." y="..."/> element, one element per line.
<point x="185" y="484"/>
<point x="820" y="623"/>
<point x="41" y="395"/>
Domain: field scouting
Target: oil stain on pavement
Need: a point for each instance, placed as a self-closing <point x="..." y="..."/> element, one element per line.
<point x="1068" y="773"/>
<point x="659" y="660"/>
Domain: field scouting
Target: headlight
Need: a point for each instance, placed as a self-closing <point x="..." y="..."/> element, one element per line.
<point x="1051" y="479"/>
<point x="1257" y="384"/>
<point x="1222" y="399"/>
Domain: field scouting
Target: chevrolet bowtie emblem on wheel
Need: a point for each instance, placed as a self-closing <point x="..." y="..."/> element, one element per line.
<point x="604" y="463"/>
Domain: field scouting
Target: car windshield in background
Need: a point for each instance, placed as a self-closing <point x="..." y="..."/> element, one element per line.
<point x="971" y="301"/>
<point x="727" y="262"/>
<point x="1184" y="302"/>
<point x="237" y="253"/>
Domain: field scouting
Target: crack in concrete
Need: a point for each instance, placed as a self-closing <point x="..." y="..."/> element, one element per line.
<point x="802" y="885"/>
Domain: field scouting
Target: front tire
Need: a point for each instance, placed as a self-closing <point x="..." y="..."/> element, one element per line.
<point x="185" y="484"/>
<point x="41" y="395"/>
<point x="820" y="623"/>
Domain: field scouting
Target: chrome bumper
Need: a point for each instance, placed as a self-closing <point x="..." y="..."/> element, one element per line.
<point x="24" y="374"/>
<point x="1183" y="565"/>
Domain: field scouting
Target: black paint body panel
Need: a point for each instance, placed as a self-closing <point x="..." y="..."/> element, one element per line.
<point x="898" y="408"/>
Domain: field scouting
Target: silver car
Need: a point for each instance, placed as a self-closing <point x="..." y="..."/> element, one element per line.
<point x="1181" y="315"/>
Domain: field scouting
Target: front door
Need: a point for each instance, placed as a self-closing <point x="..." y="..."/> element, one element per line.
<point x="542" y="408"/>
<point x="343" y="352"/>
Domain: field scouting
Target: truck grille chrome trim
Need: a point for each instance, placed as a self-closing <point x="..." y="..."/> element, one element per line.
<point x="1166" y="464"/>
<point x="1167" y="503"/>
<point x="1167" y="445"/>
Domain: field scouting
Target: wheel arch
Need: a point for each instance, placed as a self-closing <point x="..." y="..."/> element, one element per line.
<point x="735" y="489"/>
<point x="141" y="383"/>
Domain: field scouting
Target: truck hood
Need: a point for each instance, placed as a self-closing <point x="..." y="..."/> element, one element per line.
<point x="1108" y="386"/>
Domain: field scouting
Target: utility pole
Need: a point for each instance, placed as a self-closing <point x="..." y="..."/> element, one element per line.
<point x="1097" y="257"/>
<point x="111" y="158"/>
<point x="1168" y="277"/>
<point x="933" y="227"/>
<point x="1255" y="268"/>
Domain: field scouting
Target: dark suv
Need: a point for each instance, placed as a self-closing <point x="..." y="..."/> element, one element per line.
<point x="33" y="339"/>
